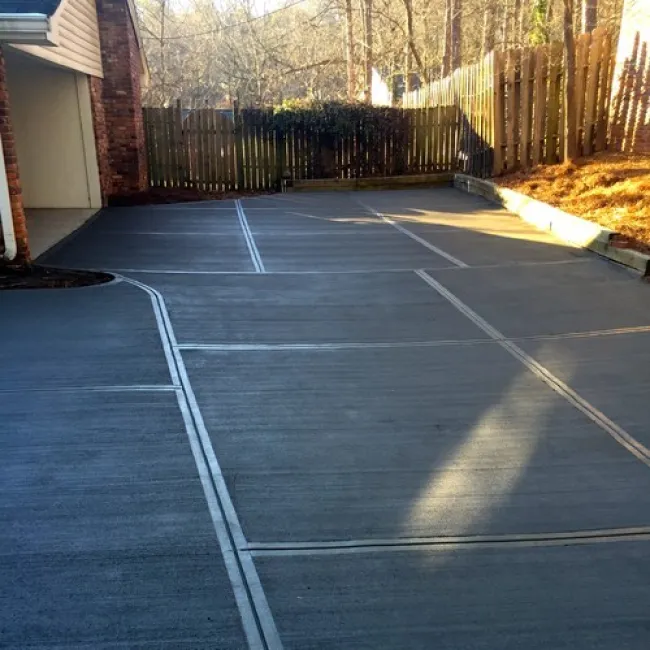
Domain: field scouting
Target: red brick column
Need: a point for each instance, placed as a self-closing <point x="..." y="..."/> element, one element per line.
<point x="101" y="137"/>
<point x="630" y="106"/>
<point x="11" y="165"/>
<point x="121" y="97"/>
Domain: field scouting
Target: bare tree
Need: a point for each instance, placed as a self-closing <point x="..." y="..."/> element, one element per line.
<point x="489" y="16"/>
<point x="368" y="60"/>
<point x="447" y="44"/>
<point x="350" y="52"/>
<point x="589" y="15"/>
<point x="412" y="50"/>
<point x="570" y="139"/>
<point x="456" y="33"/>
<point x="209" y="51"/>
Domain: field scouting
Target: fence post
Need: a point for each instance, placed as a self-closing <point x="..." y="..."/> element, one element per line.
<point x="239" y="147"/>
<point x="499" y="106"/>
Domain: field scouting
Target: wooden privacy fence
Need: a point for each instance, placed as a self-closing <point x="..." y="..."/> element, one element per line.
<point x="252" y="149"/>
<point x="511" y="104"/>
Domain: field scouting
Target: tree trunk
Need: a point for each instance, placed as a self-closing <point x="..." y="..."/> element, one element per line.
<point x="350" y="54"/>
<point x="516" y="24"/>
<point x="456" y="9"/>
<point x="368" y="55"/>
<point x="570" y="139"/>
<point x="408" y="66"/>
<point x="589" y="15"/>
<point x="488" y="28"/>
<point x="163" y="66"/>
<point x="411" y="49"/>
<point x="446" y="43"/>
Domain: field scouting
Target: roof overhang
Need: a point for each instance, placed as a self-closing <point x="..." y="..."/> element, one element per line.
<point x="27" y="29"/>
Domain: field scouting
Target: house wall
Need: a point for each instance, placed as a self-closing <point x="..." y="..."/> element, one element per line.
<point x="630" y="105"/>
<point x="11" y="165"/>
<point x="121" y="97"/>
<point x="53" y="128"/>
<point x="76" y="31"/>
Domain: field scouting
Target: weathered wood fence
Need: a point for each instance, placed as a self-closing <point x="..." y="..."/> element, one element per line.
<point x="498" y="115"/>
<point x="214" y="150"/>
<point x="511" y="104"/>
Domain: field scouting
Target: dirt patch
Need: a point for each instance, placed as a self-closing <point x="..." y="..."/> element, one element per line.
<point x="33" y="276"/>
<point x="161" y="195"/>
<point x="610" y="189"/>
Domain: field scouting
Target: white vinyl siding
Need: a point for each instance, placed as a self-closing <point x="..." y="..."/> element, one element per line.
<point x="75" y="30"/>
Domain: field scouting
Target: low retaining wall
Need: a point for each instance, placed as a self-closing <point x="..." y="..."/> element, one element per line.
<point x="563" y="225"/>
<point x="379" y="183"/>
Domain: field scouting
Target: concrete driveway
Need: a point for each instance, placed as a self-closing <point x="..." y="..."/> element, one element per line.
<point x="372" y="420"/>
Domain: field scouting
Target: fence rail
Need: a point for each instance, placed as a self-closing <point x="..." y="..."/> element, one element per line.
<point x="247" y="150"/>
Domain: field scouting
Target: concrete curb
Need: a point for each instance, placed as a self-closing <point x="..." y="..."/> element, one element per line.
<point x="563" y="225"/>
<point x="378" y="183"/>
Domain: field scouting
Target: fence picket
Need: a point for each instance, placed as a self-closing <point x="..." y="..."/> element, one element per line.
<point x="606" y="69"/>
<point x="539" y="106"/>
<point x="582" y="62"/>
<point x="499" y="114"/>
<point x="553" y="103"/>
<point x="591" y="100"/>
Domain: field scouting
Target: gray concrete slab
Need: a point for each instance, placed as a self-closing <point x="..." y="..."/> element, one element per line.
<point x="313" y="220"/>
<point x="110" y="542"/>
<point x="359" y="252"/>
<point x="481" y="248"/>
<point x="611" y="372"/>
<point x="531" y="301"/>
<point x="48" y="226"/>
<point x="99" y="336"/>
<point x="321" y="445"/>
<point x="309" y="308"/>
<point x="574" y="598"/>
<point x="438" y="199"/>
<point x="158" y="219"/>
<point x="109" y="250"/>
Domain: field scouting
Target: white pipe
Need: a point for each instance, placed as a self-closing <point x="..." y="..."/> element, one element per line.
<point x="6" y="217"/>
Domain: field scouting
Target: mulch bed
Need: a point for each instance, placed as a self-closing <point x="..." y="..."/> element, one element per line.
<point x="612" y="189"/>
<point x="33" y="276"/>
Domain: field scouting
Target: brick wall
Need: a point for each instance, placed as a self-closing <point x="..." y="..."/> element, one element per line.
<point x="121" y="99"/>
<point x="11" y="165"/>
<point x="630" y="107"/>
<point x="101" y="137"/>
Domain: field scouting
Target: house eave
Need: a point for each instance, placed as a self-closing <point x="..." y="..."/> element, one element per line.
<point x="26" y="29"/>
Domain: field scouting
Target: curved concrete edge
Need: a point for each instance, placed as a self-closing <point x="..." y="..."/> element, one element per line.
<point x="563" y="225"/>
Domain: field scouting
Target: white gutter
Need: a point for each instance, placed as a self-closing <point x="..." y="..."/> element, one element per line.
<point x="25" y="29"/>
<point x="6" y="218"/>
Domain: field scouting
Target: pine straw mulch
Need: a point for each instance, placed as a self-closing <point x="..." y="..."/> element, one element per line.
<point x="608" y="188"/>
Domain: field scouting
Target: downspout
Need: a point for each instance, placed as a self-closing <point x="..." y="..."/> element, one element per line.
<point x="6" y="217"/>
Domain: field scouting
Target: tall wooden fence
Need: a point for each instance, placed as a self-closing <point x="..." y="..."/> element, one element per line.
<point x="247" y="150"/>
<point x="511" y="104"/>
